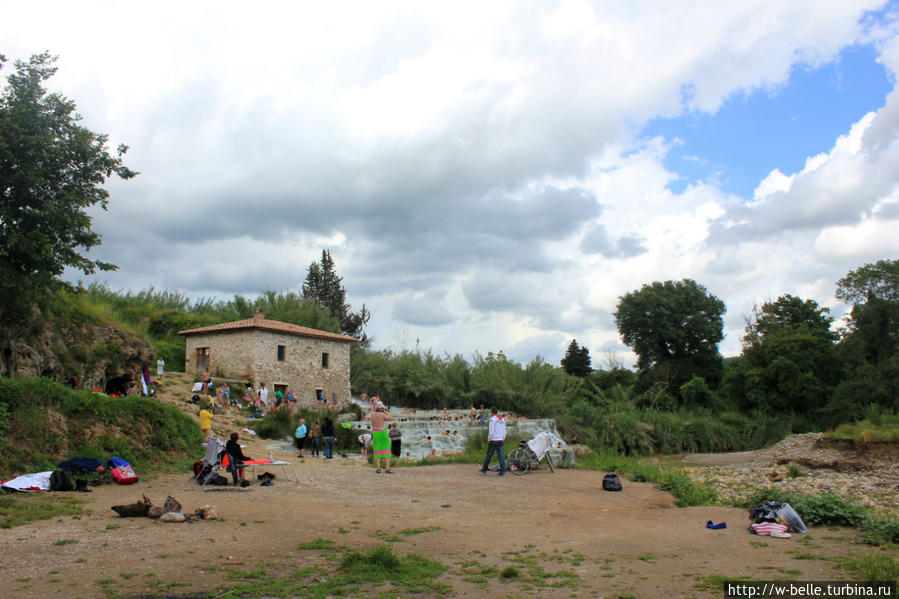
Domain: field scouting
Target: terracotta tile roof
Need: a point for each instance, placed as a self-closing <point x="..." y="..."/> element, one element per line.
<point x="269" y="325"/>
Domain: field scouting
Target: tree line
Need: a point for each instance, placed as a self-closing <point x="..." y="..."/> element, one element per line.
<point x="794" y="372"/>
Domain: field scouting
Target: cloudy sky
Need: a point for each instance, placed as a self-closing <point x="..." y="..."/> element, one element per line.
<point x="488" y="175"/>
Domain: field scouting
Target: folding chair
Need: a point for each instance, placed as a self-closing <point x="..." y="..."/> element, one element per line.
<point x="212" y="461"/>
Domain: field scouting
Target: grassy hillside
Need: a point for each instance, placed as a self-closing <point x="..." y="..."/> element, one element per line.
<point x="42" y="423"/>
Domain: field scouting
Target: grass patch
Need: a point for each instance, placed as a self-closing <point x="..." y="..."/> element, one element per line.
<point x="880" y="531"/>
<point x="376" y="572"/>
<point x="477" y="573"/>
<point x="66" y="542"/>
<point x="882" y="428"/>
<point x="150" y="435"/>
<point x="17" y="509"/>
<point x="417" y="531"/>
<point x="872" y="566"/>
<point x="321" y="544"/>
<point x="531" y="571"/>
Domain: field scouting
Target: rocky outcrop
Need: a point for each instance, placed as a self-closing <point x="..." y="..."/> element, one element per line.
<point x="101" y="356"/>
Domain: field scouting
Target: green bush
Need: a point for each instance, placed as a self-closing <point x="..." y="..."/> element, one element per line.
<point x="172" y="351"/>
<point x="687" y="491"/>
<point x="276" y="425"/>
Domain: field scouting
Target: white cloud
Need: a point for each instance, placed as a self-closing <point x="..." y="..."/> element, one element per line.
<point x="473" y="167"/>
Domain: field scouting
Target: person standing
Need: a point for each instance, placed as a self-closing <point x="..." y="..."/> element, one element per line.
<point x="328" y="435"/>
<point x="496" y="436"/>
<point x="263" y="396"/>
<point x="315" y="438"/>
<point x="205" y="415"/>
<point x="160" y="367"/>
<point x="396" y="440"/>
<point x="380" y="439"/>
<point x="220" y="397"/>
<point x="205" y="379"/>
<point x="300" y="435"/>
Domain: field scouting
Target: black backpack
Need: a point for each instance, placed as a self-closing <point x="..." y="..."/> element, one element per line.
<point x="60" y="481"/>
<point x="611" y="482"/>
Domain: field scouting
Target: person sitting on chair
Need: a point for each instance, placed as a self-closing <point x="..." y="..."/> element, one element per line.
<point x="236" y="457"/>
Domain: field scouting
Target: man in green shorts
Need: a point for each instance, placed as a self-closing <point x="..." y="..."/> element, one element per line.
<point x="380" y="438"/>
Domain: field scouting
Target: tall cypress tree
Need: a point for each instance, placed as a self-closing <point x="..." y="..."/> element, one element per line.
<point x="577" y="360"/>
<point x="324" y="286"/>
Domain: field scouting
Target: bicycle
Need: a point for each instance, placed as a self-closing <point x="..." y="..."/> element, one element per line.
<point x="521" y="459"/>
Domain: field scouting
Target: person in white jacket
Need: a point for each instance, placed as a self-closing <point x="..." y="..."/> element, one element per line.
<point x="496" y="436"/>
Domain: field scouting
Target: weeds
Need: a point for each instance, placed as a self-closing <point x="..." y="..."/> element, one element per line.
<point x="871" y="566"/>
<point x="22" y="508"/>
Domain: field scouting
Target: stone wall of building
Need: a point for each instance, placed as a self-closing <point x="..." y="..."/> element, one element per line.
<point x="253" y="354"/>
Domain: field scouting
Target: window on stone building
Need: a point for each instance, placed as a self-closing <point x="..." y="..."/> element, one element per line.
<point x="325" y="357"/>
<point x="281" y="351"/>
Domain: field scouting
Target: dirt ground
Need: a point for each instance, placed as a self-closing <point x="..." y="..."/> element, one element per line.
<point x="635" y="543"/>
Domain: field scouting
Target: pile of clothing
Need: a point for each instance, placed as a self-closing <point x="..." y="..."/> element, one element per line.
<point x="774" y="519"/>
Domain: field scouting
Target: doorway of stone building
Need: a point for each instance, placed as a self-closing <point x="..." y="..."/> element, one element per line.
<point x="202" y="358"/>
<point x="320" y="395"/>
<point x="282" y="387"/>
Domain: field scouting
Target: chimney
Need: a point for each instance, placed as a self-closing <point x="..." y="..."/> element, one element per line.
<point x="258" y="317"/>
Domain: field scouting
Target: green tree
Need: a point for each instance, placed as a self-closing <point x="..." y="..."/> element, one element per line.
<point x="51" y="170"/>
<point x="870" y="345"/>
<point x="789" y="361"/>
<point x="674" y="328"/>
<point x="879" y="280"/>
<point x="874" y="320"/>
<point x="788" y="312"/>
<point x="324" y="286"/>
<point x="577" y="360"/>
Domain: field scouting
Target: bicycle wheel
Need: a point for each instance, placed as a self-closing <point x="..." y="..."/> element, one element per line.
<point x="518" y="461"/>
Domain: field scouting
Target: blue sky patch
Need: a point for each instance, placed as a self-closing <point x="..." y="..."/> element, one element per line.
<point x="751" y="135"/>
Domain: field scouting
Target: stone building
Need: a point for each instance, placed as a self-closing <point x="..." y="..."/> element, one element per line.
<point x="314" y="364"/>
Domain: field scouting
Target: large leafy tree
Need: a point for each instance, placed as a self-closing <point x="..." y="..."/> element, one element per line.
<point x="789" y="361"/>
<point x="577" y="360"/>
<point x="870" y="347"/>
<point x="787" y="312"/>
<point x="324" y="286"/>
<point x="51" y="170"/>
<point x="674" y="328"/>
<point x="873" y="290"/>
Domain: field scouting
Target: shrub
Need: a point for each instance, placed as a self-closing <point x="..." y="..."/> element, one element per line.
<point x="686" y="491"/>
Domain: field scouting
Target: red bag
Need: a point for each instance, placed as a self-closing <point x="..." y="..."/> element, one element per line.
<point x="124" y="475"/>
